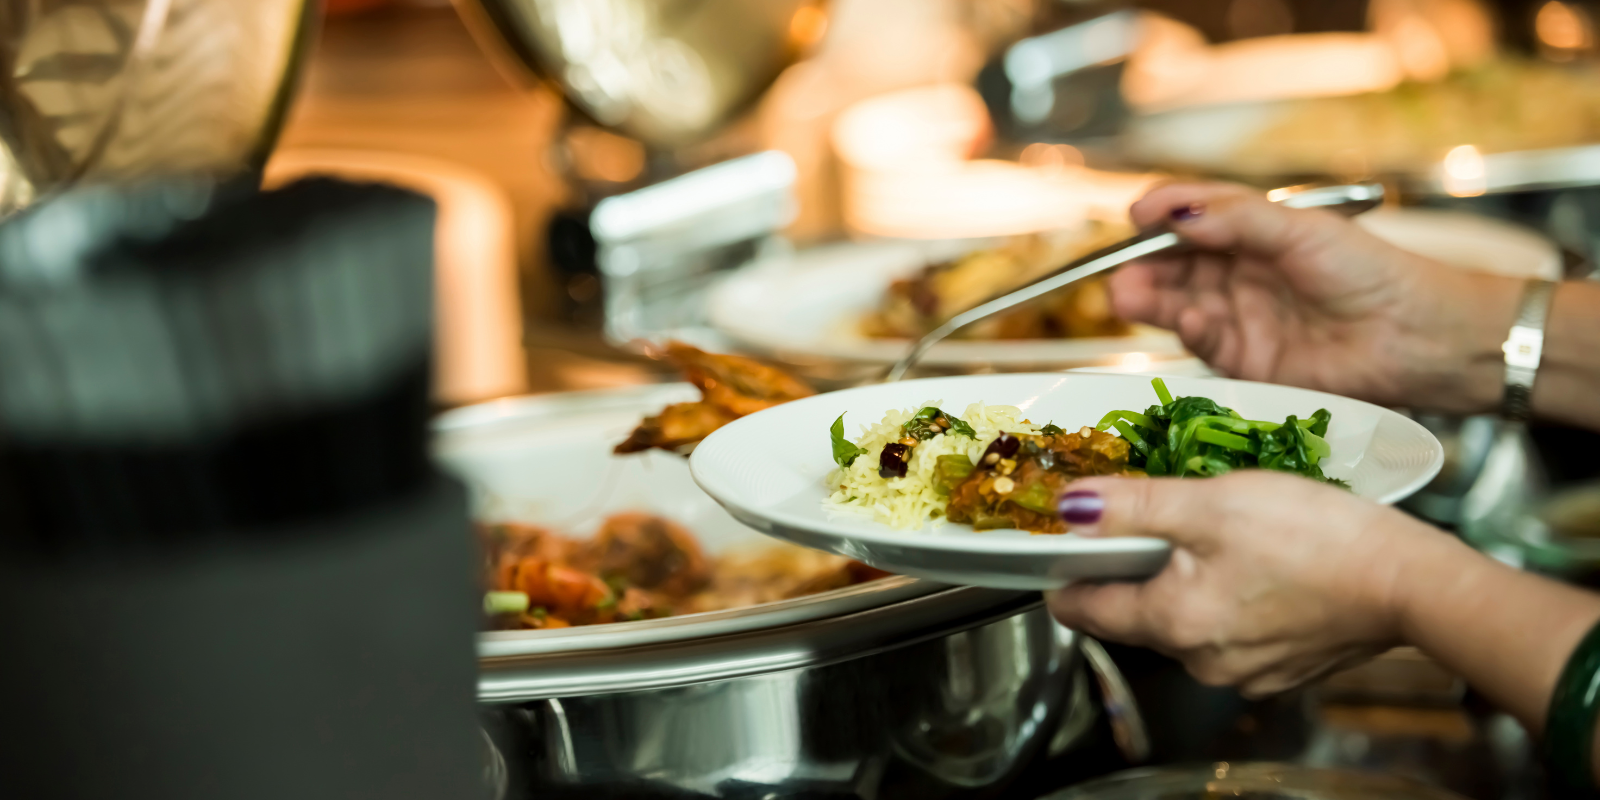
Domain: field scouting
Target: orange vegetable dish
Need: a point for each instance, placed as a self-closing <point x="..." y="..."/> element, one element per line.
<point x="640" y="566"/>
<point x="1017" y="481"/>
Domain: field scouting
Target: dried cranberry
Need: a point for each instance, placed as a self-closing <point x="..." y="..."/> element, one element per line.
<point x="1005" y="445"/>
<point x="894" y="461"/>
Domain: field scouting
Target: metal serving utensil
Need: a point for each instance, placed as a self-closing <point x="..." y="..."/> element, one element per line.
<point x="1347" y="200"/>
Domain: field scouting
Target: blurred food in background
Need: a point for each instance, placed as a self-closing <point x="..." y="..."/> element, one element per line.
<point x="915" y="305"/>
<point x="640" y="566"/>
<point x="1418" y="88"/>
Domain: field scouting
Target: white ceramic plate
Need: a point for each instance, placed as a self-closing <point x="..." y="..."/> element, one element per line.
<point x="547" y="460"/>
<point x="769" y="470"/>
<point x="808" y="304"/>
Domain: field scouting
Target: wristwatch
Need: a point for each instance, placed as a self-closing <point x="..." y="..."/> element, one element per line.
<point x="1524" y="347"/>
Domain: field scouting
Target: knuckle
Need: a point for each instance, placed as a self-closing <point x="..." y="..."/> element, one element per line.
<point x="1211" y="670"/>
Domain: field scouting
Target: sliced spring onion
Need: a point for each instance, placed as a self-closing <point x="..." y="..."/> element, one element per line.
<point x="505" y="602"/>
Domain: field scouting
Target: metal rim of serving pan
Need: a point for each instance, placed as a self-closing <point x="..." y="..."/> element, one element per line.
<point x="692" y="648"/>
<point x="590" y="671"/>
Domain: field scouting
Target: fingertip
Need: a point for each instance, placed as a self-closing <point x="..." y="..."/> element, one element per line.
<point x="1158" y="205"/>
<point x="1183" y="512"/>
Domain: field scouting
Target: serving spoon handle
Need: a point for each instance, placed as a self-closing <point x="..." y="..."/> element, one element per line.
<point x="1347" y="200"/>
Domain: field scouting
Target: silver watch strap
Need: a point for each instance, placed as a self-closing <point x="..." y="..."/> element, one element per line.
<point x="1524" y="347"/>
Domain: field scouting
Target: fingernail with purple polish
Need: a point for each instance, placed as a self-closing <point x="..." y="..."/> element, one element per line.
<point x="1186" y="213"/>
<point x="1081" y="510"/>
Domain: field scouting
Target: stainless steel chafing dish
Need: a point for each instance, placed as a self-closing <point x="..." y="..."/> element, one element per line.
<point x="895" y="688"/>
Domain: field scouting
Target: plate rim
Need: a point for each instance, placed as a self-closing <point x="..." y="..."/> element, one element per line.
<point x="1019" y="545"/>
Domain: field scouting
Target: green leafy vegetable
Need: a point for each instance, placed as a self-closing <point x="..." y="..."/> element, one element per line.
<point x="1050" y="429"/>
<point x="1161" y="391"/>
<point x="921" y="426"/>
<point x="845" y="451"/>
<point x="1197" y="436"/>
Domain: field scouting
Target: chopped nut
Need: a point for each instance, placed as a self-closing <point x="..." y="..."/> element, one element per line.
<point x="1008" y="466"/>
<point x="1086" y="432"/>
<point x="909" y="441"/>
<point x="1004" y="485"/>
<point x="942" y="422"/>
<point x="934" y="428"/>
<point x="991" y="459"/>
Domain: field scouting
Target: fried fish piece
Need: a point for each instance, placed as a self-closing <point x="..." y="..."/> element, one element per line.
<point x="736" y="384"/>
<point x="730" y="387"/>
<point x="677" y="426"/>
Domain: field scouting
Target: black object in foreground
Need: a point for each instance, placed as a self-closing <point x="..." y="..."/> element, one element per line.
<point x="227" y="568"/>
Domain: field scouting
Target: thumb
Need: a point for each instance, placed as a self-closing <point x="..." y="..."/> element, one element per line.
<point x="1184" y="512"/>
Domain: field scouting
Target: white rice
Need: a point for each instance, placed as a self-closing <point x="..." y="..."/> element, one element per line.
<point x="910" y="502"/>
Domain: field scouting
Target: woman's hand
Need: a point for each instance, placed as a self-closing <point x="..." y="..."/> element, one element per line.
<point x="1274" y="579"/>
<point x="1307" y="298"/>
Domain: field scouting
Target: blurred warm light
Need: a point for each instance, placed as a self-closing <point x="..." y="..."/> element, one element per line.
<point x="1171" y="60"/>
<point x="1262" y="69"/>
<point x="1464" y="172"/>
<point x="1562" y="28"/>
<point x="908" y="173"/>
<point x="1135" y="361"/>
<point x="1174" y="67"/>
<point x="479" y="317"/>
<point x="1432" y="37"/>
<point x="1050" y="156"/>
<point x="807" y="26"/>
<point x="599" y="155"/>
<point x="912" y="128"/>
<point x="1309" y="65"/>
<point x="1420" y="49"/>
